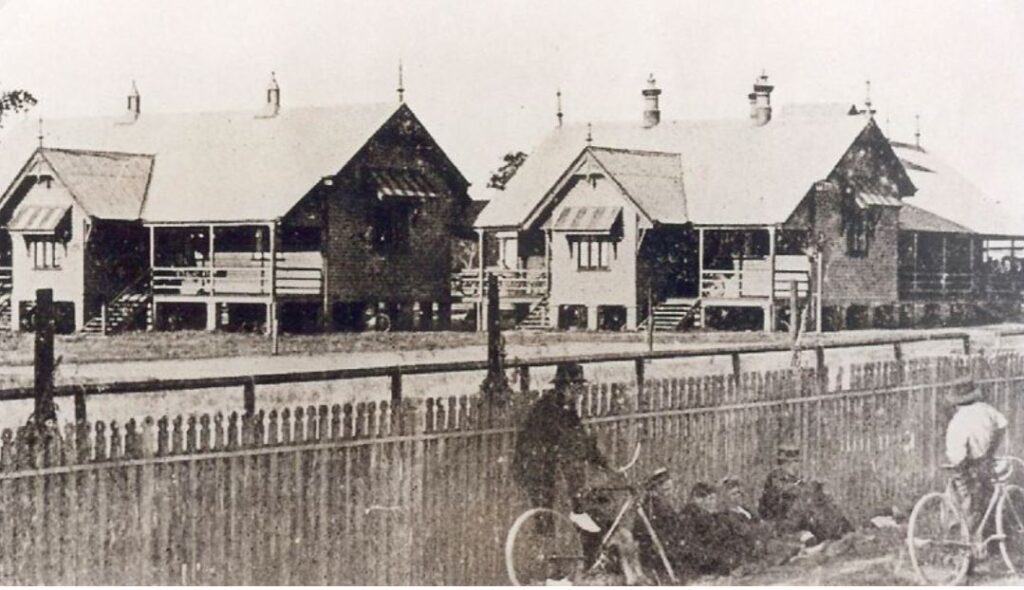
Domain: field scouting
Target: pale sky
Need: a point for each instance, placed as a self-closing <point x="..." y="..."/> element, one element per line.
<point x="482" y="75"/>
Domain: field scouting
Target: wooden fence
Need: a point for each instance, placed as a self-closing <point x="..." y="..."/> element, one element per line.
<point x="421" y="492"/>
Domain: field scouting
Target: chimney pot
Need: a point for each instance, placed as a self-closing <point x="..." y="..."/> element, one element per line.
<point x="134" y="102"/>
<point x="273" y="105"/>
<point x="652" y="114"/>
<point x="761" y="101"/>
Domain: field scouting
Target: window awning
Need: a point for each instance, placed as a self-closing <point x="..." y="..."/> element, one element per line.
<point x="589" y="220"/>
<point x="866" y="199"/>
<point x="37" y="219"/>
<point x="402" y="183"/>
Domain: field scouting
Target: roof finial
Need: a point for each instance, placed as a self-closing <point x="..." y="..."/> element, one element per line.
<point x="41" y="132"/>
<point x="917" y="130"/>
<point x="590" y="134"/>
<point x="401" y="85"/>
<point x="870" y="112"/>
<point x="558" y="97"/>
<point x="887" y="134"/>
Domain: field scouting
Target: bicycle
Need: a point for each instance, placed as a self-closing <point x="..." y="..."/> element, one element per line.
<point x="940" y="543"/>
<point x="543" y="546"/>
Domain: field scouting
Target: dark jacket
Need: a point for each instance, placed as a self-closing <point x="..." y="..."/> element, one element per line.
<point x="552" y="440"/>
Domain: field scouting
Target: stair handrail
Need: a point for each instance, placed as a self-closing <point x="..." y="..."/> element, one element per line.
<point x="533" y="307"/>
<point x="694" y="308"/>
<point x="130" y="287"/>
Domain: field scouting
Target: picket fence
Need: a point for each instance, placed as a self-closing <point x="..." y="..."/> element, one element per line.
<point x="421" y="492"/>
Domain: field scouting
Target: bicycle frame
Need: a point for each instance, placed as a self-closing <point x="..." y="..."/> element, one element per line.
<point x="976" y="542"/>
<point x="632" y="503"/>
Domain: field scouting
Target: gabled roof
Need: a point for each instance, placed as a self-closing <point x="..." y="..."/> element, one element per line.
<point x="734" y="172"/>
<point x="226" y="166"/>
<point x="108" y="185"/>
<point x="653" y="180"/>
<point x="944" y="192"/>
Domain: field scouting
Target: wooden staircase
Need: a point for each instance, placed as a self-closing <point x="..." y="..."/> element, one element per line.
<point x="673" y="315"/>
<point x="5" y="311"/>
<point x="122" y="312"/>
<point x="537" y="319"/>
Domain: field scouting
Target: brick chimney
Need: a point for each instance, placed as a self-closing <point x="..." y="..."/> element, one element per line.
<point x="134" y="103"/>
<point x="273" y="104"/>
<point x="761" y="101"/>
<point x="652" y="114"/>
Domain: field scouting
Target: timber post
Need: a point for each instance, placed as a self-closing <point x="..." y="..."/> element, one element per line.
<point x="80" y="412"/>
<point x="45" y="409"/>
<point x="495" y="387"/>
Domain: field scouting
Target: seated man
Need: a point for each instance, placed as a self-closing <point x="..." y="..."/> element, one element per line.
<point x="781" y="487"/>
<point x="798" y="506"/>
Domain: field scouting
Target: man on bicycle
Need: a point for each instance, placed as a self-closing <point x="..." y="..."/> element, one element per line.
<point x="972" y="437"/>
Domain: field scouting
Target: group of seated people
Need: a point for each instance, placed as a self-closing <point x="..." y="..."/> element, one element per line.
<point x="714" y="531"/>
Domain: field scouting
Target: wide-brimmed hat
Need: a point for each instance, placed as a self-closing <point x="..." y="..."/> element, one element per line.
<point x="964" y="391"/>
<point x="568" y="374"/>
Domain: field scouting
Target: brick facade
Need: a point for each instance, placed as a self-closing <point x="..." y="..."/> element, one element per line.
<point x="358" y="270"/>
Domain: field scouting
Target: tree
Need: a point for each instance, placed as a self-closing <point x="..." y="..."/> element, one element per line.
<point x="511" y="163"/>
<point x="15" y="101"/>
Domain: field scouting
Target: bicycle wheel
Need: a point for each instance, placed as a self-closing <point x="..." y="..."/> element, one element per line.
<point x="1010" y="527"/>
<point x="542" y="546"/>
<point x="937" y="540"/>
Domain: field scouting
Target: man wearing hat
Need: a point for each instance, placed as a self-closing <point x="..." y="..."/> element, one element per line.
<point x="552" y="440"/>
<point x="972" y="437"/>
<point x="782" y="486"/>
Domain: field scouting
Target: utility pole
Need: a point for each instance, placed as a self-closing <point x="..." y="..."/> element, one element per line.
<point x="45" y="410"/>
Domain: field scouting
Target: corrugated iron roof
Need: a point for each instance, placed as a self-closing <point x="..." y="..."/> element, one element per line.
<point x="107" y="185"/>
<point x="37" y="219"/>
<point x="917" y="219"/>
<point x="944" y="192"/>
<point x="654" y="180"/>
<point x="734" y="173"/>
<point x="586" y="219"/>
<point x="402" y="183"/>
<point x="869" y="199"/>
<point x="227" y="166"/>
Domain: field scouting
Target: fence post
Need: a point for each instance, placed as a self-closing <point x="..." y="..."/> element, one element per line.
<point x="639" y="377"/>
<point x="493" y="325"/>
<point x="103" y="319"/>
<point x="44" y="325"/>
<point x="396" y="386"/>
<point x="249" y="397"/>
<point x="524" y="378"/>
<point x="80" y="413"/>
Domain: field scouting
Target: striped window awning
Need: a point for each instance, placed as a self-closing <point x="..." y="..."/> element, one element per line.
<point x="589" y="220"/>
<point x="37" y="219"/>
<point x="402" y="183"/>
<point x="866" y="199"/>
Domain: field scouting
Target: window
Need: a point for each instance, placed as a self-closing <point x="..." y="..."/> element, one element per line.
<point x="392" y="226"/>
<point x="857" y="235"/>
<point x="593" y="252"/>
<point x="46" y="253"/>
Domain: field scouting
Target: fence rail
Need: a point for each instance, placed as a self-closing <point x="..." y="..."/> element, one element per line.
<point x="421" y="491"/>
<point x="396" y="372"/>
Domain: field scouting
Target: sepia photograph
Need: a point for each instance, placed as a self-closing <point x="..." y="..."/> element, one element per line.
<point x="508" y="293"/>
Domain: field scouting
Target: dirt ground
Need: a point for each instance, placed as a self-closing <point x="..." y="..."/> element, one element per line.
<point x="868" y="557"/>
